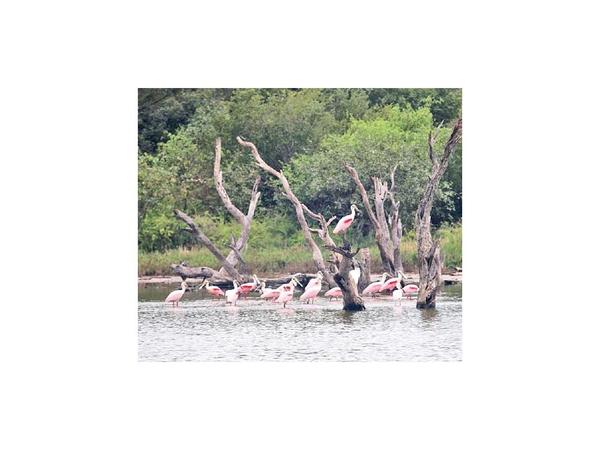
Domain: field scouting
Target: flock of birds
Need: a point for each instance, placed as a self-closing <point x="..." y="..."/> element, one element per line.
<point x="285" y="293"/>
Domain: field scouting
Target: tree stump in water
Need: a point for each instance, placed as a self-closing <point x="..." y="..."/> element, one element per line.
<point x="352" y="299"/>
<point x="428" y="251"/>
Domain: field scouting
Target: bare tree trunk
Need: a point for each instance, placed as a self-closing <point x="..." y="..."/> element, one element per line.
<point x="202" y="238"/>
<point x="352" y="299"/>
<point x="245" y="221"/>
<point x="430" y="263"/>
<point x="306" y="230"/>
<point x="388" y="241"/>
<point x="364" y="262"/>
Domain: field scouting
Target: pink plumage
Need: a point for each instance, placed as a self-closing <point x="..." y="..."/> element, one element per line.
<point x="410" y="289"/>
<point x="215" y="291"/>
<point x="312" y="290"/>
<point x="334" y="292"/>
<point x="345" y="222"/>
<point x="390" y="284"/>
<point x="375" y="287"/>
<point x="176" y="295"/>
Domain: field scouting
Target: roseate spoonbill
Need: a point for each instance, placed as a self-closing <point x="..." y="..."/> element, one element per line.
<point x="272" y="294"/>
<point x="232" y="295"/>
<point x="176" y="295"/>
<point x="312" y="288"/>
<point x="345" y="222"/>
<point x="215" y="291"/>
<point x="410" y="289"/>
<point x="268" y="293"/>
<point x="246" y="288"/>
<point x="334" y="292"/>
<point x="376" y="286"/>
<point x="286" y="294"/>
<point x="391" y="284"/>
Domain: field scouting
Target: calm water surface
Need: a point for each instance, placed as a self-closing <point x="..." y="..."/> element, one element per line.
<point x="202" y="329"/>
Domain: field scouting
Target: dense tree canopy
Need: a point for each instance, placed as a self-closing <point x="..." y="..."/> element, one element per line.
<point x="309" y="133"/>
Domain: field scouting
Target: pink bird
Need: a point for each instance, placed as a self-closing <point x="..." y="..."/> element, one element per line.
<point x="175" y="296"/>
<point x="273" y="294"/>
<point x="391" y="284"/>
<point x="232" y="295"/>
<point x="334" y="292"/>
<point x="375" y="287"/>
<point x="345" y="222"/>
<point x="269" y="293"/>
<point x="215" y="291"/>
<point x="312" y="288"/>
<point x="246" y="288"/>
<point x="286" y="294"/>
<point x="410" y="289"/>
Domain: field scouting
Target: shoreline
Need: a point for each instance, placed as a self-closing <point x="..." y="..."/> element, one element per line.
<point x="176" y="279"/>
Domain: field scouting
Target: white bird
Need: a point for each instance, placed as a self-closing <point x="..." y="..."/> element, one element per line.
<point x="176" y="295"/>
<point x="232" y="295"/>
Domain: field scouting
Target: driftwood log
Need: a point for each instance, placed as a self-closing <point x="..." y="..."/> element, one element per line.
<point x="428" y="251"/>
<point x="216" y="279"/>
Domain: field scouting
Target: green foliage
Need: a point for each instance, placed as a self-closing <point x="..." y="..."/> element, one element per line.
<point x="276" y="246"/>
<point x="308" y="133"/>
<point x="373" y="147"/>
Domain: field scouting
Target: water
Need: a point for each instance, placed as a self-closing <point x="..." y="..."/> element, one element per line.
<point x="202" y="329"/>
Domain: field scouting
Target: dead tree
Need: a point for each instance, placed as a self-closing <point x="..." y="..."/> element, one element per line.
<point x="352" y="299"/>
<point x="299" y="209"/>
<point x="387" y="225"/>
<point x="237" y="246"/>
<point x="428" y="251"/>
<point x="234" y="258"/>
<point x="203" y="239"/>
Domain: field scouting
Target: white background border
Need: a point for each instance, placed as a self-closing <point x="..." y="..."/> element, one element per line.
<point x="69" y="96"/>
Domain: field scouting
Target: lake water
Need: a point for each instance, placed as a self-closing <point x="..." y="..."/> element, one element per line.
<point x="202" y="329"/>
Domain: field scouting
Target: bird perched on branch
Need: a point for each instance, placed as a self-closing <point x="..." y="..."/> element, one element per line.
<point x="345" y="222"/>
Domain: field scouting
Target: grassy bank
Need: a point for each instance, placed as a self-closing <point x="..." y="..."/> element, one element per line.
<point x="288" y="254"/>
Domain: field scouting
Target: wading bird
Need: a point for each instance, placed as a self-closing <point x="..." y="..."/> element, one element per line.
<point x="269" y="293"/>
<point x="345" y="222"/>
<point x="355" y="274"/>
<point x="376" y="286"/>
<point x="175" y="296"/>
<point x="312" y="288"/>
<point x="273" y="294"/>
<point x="215" y="291"/>
<point x="246" y="288"/>
<point x="397" y="294"/>
<point x="391" y="284"/>
<point x="232" y="295"/>
<point x="286" y="294"/>
<point x="334" y="292"/>
<point x="410" y="289"/>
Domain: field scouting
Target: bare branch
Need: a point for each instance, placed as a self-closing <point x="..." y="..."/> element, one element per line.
<point x="218" y="175"/>
<point x="201" y="237"/>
